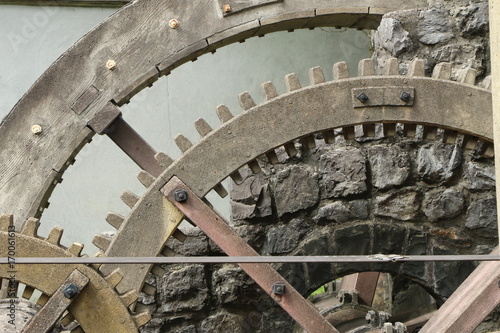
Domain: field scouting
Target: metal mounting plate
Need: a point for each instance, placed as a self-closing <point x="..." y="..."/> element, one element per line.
<point x="382" y="96"/>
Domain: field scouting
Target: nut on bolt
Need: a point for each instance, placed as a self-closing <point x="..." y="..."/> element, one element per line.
<point x="173" y="23"/>
<point x="363" y="98"/>
<point x="70" y="291"/>
<point x="278" y="288"/>
<point x="226" y="8"/>
<point x="111" y="64"/>
<point x="180" y="195"/>
<point x="405" y="96"/>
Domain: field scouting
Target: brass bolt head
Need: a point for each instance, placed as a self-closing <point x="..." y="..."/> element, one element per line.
<point x="173" y="23"/>
<point x="111" y="64"/>
<point x="226" y="8"/>
<point x="36" y="129"/>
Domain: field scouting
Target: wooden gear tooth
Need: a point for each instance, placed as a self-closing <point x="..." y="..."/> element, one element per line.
<point x="224" y="114"/>
<point x="115" y="220"/>
<point x="341" y="71"/>
<point x="329" y="137"/>
<point x="391" y="67"/>
<point x="129" y="198"/>
<point x="468" y="76"/>
<point x="101" y="241"/>
<point x="148" y="289"/>
<point x="30" y="227"/>
<point x="179" y="235"/>
<point x="202" y="127"/>
<point x="55" y="235"/>
<point x="168" y="252"/>
<point x="42" y="299"/>
<point x="290" y="149"/>
<point x="114" y="277"/>
<point x="141" y="319"/>
<point x="254" y="166"/>
<point x="158" y="270"/>
<point x="246" y="101"/>
<point x="442" y="71"/>
<point x="5" y="222"/>
<point x="98" y="255"/>
<point x="309" y="142"/>
<point x="365" y="67"/>
<point x="67" y="319"/>
<point x="163" y="159"/>
<point x="316" y="75"/>
<point x="129" y="297"/>
<point x="486" y="84"/>
<point x="28" y="292"/>
<point x="237" y="177"/>
<point x="292" y="82"/>
<point x="76" y="249"/>
<point x="269" y="90"/>
<point x="183" y="143"/>
<point x="416" y="68"/>
<point x="221" y="190"/>
<point x="272" y="157"/>
<point x="145" y="178"/>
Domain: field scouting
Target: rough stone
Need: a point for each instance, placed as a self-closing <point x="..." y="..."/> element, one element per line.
<point x="318" y="273"/>
<point x="449" y="275"/>
<point x="390" y="166"/>
<point x="295" y="274"/>
<point x="443" y="204"/>
<point x="224" y="322"/>
<point x="233" y="285"/>
<point x="402" y="205"/>
<point x="296" y="188"/>
<point x="196" y="243"/>
<point x="284" y="239"/>
<point x="251" y="198"/>
<point x="474" y="20"/>
<point x="252" y="234"/>
<point x="434" y="26"/>
<point x="393" y="37"/>
<point x="482" y="217"/>
<point x="417" y="245"/>
<point x="344" y="172"/>
<point x="341" y="211"/>
<point x="183" y="288"/>
<point x="438" y="161"/>
<point x="480" y="177"/>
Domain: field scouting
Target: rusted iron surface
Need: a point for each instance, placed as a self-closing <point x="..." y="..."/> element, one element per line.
<point x="230" y="242"/>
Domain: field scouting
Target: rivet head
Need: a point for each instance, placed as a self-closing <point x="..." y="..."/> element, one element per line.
<point x="226" y="8"/>
<point x="36" y="129"/>
<point x="173" y="23"/>
<point x="111" y="64"/>
<point x="363" y="98"/>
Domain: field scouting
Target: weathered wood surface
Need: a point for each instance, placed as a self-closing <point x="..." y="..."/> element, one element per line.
<point x="86" y="3"/>
<point x="467" y="307"/>
<point x="278" y="121"/>
<point x="140" y="41"/>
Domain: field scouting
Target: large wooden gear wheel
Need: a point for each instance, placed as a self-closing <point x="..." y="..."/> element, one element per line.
<point x="79" y="88"/>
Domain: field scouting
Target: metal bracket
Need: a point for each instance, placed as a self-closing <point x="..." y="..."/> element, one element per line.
<point x="383" y="96"/>
<point x="234" y="6"/>
<point x="53" y="310"/>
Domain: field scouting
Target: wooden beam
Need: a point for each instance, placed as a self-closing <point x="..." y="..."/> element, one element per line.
<point x="476" y="297"/>
<point x="83" y="3"/>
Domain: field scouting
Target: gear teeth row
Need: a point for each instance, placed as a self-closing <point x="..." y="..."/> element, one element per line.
<point x="30" y="227"/>
<point x="183" y="143"/>
<point x="55" y="236"/>
<point x="129" y="198"/>
<point x="145" y="178"/>
<point x="115" y="220"/>
<point x="101" y="241"/>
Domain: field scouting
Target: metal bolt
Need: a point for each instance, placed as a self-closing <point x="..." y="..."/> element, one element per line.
<point x="70" y="291"/>
<point x="363" y="98"/>
<point x="111" y="64"/>
<point x="226" y="8"/>
<point x="36" y="129"/>
<point x="180" y="195"/>
<point x="173" y="23"/>
<point x="278" y="288"/>
<point x="405" y="96"/>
